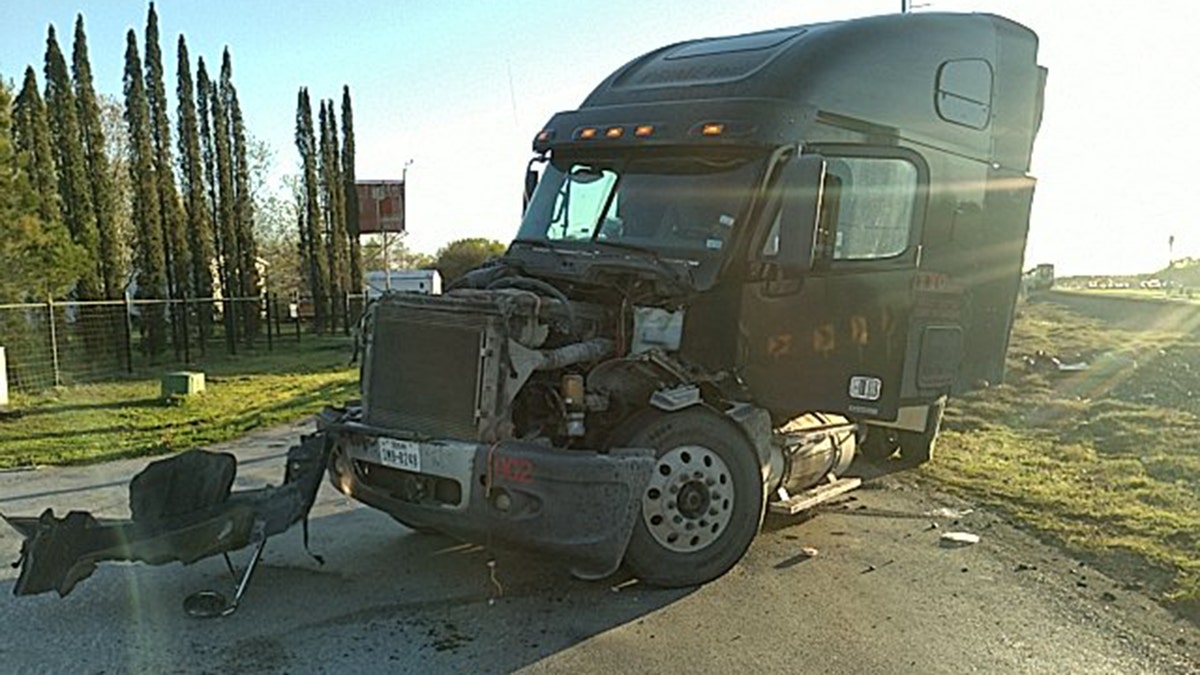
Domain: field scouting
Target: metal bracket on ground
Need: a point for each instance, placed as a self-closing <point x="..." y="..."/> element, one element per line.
<point x="790" y="505"/>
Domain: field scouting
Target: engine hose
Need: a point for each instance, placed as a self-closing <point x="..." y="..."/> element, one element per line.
<point x="536" y="285"/>
<point x="578" y="352"/>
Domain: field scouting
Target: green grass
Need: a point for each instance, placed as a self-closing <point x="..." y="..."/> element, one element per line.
<point x="1106" y="460"/>
<point x="104" y="421"/>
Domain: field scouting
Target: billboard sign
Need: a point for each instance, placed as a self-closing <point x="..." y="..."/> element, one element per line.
<point x="380" y="206"/>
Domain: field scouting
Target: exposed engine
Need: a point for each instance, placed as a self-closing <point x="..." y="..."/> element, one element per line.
<point x="519" y="360"/>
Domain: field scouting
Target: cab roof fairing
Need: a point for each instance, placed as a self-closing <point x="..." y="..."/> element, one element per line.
<point x="882" y="70"/>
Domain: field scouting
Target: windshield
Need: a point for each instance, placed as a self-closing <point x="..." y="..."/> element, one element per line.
<point x="682" y="207"/>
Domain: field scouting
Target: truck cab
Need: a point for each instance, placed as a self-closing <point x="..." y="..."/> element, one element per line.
<point x="742" y="261"/>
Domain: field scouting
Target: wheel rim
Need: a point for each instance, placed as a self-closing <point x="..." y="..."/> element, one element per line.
<point x="689" y="501"/>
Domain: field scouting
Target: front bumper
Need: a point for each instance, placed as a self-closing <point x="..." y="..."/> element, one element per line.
<point x="577" y="505"/>
<point x="178" y="515"/>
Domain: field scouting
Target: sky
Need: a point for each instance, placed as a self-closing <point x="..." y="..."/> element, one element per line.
<point x="459" y="89"/>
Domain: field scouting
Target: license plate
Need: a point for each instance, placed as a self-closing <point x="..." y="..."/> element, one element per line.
<point x="398" y="454"/>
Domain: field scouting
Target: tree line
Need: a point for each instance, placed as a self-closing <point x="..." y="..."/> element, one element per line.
<point x="327" y="209"/>
<point x="68" y="216"/>
<point x="100" y="198"/>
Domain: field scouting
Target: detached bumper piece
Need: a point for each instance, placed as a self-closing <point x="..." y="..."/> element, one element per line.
<point x="183" y="510"/>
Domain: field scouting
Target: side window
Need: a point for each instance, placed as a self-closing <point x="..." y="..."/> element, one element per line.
<point x="875" y="214"/>
<point x="964" y="92"/>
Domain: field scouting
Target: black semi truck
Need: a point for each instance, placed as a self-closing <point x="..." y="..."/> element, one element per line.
<point x="743" y="261"/>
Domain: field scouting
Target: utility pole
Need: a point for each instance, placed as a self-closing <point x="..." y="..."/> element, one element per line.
<point x="387" y="265"/>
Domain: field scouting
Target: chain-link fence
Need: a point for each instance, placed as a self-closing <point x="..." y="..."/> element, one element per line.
<point x="55" y="343"/>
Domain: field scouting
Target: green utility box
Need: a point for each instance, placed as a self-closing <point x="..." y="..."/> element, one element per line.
<point x="182" y="383"/>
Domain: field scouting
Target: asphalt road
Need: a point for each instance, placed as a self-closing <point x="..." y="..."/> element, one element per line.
<point x="880" y="596"/>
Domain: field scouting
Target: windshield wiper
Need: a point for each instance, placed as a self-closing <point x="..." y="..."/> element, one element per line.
<point x="671" y="271"/>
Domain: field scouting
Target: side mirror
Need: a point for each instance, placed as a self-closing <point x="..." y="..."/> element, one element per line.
<point x="531" y="181"/>
<point x="808" y="214"/>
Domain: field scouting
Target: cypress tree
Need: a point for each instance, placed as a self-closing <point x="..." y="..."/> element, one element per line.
<point x="70" y="160"/>
<point x="318" y="270"/>
<point x="174" y="238"/>
<point x="195" y="195"/>
<point x="226" y="230"/>
<point x="208" y="153"/>
<point x="103" y="192"/>
<point x="243" y="204"/>
<point x="151" y="260"/>
<point x="335" y="210"/>
<point x="31" y="134"/>
<point x="39" y="258"/>
<point x="302" y="228"/>
<point x="351" y="193"/>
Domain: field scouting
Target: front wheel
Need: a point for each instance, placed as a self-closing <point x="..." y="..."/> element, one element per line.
<point x="704" y="503"/>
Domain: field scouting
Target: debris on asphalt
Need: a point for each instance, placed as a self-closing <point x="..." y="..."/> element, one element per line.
<point x="806" y="553"/>
<point x="957" y="539"/>
<point x="872" y="568"/>
<point x="491" y="564"/>
<point x="625" y="584"/>
<point x="947" y="512"/>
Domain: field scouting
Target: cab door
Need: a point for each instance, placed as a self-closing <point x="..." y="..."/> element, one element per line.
<point x="825" y="311"/>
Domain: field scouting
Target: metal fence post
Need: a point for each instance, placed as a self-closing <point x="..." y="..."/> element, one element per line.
<point x="187" y="352"/>
<point x="267" y="307"/>
<point x="53" y="342"/>
<point x="128" y="334"/>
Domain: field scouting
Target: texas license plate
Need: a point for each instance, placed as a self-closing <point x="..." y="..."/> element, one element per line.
<point x="399" y="454"/>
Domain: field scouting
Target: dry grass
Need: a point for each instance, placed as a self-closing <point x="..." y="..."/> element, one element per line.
<point x="1105" y="460"/>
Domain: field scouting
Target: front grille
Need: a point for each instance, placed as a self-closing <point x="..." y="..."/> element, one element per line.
<point x="422" y="374"/>
<point x="408" y="486"/>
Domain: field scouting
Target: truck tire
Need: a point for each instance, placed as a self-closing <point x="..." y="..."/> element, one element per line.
<point x="704" y="503"/>
<point x="878" y="446"/>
